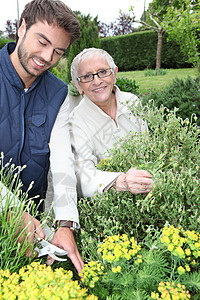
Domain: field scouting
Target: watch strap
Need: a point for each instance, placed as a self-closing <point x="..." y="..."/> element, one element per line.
<point x="110" y="185"/>
<point x="69" y="224"/>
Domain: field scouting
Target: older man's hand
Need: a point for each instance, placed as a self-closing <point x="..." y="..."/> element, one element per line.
<point x="135" y="181"/>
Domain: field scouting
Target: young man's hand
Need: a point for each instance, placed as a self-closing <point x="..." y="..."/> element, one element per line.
<point x="28" y="229"/>
<point x="64" y="239"/>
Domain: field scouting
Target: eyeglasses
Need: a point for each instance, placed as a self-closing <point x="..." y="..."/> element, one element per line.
<point x="100" y="74"/>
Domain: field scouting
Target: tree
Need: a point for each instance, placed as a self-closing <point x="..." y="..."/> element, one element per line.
<point x="153" y="25"/>
<point x="182" y="25"/>
<point x="122" y="25"/>
<point x="154" y="17"/>
<point x="11" y="29"/>
<point x="104" y="30"/>
<point x="89" y="38"/>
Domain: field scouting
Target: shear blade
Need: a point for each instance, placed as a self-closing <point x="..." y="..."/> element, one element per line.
<point x="56" y="257"/>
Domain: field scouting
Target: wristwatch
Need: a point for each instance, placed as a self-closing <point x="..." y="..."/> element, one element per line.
<point x="70" y="224"/>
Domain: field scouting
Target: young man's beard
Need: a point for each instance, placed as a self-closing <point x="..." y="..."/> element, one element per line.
<point x="23" y="58"/>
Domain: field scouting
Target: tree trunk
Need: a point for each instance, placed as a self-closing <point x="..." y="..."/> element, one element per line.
<point x="159" y="49"/>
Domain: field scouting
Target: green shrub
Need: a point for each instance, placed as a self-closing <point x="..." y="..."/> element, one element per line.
<point x="127" y="85"/>
<point x="88" y="38"/>
<point x="170" y="151"/>
<point x="183" y="94"/>
<point x="3" y="42"/>
<point x="60" y="69"/>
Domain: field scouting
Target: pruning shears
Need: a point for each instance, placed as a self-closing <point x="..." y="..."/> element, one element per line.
<point x="46" y="248"/>
<point x="51" y="250"/>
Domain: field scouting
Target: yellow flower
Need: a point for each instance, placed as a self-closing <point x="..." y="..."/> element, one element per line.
<point x="117" y="247"/>
<point x="170" y="247"/>
<point x="154" y="295"/>
<point x="188" y="251"/>
<point x="91" y="272"/>
<point x="165" y="239"/>
<point x="117" y="269"/>
<point x="181" y="270"/>
<point x="187" y="267"/>
<point x="178" y="251"/>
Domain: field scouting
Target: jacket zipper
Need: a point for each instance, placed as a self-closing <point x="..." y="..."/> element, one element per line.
<point x="22" y="125"/>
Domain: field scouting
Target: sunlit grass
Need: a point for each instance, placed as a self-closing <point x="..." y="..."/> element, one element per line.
<point x="160" y="81"/>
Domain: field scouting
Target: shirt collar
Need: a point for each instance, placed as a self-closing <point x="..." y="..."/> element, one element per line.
<point x="122" y="107"/>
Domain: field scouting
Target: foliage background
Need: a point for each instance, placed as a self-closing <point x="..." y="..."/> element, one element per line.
<point x="137" y="51"/>
<point x="184" y="94"/>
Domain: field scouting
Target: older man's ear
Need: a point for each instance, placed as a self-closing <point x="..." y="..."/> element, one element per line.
<point x="115" y="74"/>
<point x="78" y="88"/>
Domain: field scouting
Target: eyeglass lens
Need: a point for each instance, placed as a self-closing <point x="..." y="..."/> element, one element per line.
<point x="100" y="74"/>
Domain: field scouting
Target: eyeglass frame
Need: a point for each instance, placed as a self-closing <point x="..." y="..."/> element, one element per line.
<point x="78" y="78"/>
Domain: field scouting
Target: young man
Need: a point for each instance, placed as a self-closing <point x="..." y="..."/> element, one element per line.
<point x="33" y="125"/>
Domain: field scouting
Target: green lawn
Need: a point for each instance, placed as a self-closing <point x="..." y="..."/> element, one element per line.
<point x="157" y="82"/>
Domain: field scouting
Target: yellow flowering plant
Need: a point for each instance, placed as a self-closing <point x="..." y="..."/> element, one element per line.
<point x="127" y="270"/>
<point x="91" y="273"/>
<point x="41" y="282"/>
<point x="120" y="255"/>
<point x="119" y="247"/>
<point x="184" y="246"/>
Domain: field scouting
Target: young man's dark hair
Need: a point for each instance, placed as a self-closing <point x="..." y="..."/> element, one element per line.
<point x="53" y="12"/>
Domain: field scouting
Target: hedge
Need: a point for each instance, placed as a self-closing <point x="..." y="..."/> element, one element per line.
<point x="137" y="51"/>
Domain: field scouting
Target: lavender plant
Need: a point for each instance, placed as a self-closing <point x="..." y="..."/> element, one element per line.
<point x="13" y="204"/>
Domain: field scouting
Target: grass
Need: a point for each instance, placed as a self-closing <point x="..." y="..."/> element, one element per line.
<point x="157" y="82"/>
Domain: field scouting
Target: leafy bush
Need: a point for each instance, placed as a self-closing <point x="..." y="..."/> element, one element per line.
<point x="126" y="51"/>
<point x="164" y="222"/>
<point x="3" y="41"/>
<point x="170" y="151"/>
<point x="183" y="94"/>
<point x="127" y="85"/>
<point x="60" y="69"/>
<point x="88" y="38"/>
